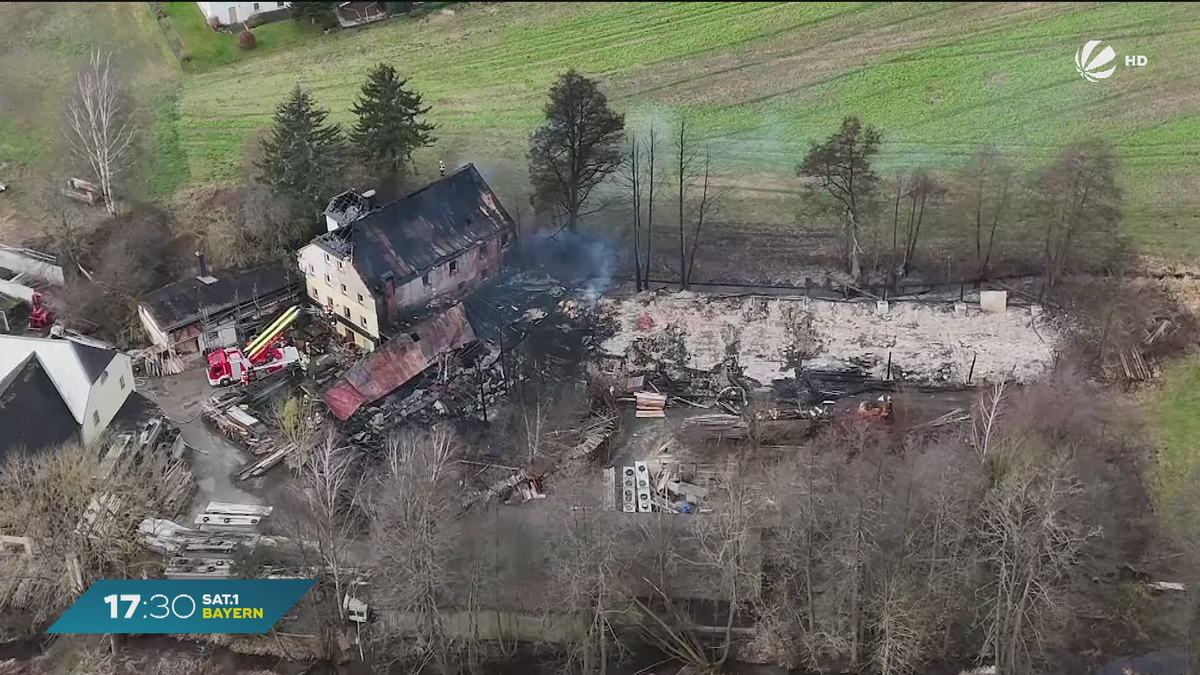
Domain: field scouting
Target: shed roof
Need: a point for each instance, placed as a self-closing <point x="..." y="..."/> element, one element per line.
<point x="71" y="366"/>
<point x="397" y="361"/>
<point x="416" y="233"/>
<point x="33" y="414"/>
<point x="183" y="302"/>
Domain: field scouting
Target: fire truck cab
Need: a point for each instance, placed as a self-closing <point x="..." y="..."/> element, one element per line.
<point x="229" y="365"/>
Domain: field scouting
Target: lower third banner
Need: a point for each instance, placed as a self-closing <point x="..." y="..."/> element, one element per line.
<point x="182" y="606"/>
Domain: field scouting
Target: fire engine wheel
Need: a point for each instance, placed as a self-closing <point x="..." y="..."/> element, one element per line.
<point x="223" y="382"/>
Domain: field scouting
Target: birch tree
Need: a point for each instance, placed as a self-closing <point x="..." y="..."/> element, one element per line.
<point x="100" y="125"/>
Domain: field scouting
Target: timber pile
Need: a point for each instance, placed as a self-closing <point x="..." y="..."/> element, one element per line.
<point x="1134" y="366"/>
<point x="650" y="405"/>
<point x="704" y="427"/>
<point x="83" y="190"/>
<point x="593" y="438"/>
<point x="259" y="467"/>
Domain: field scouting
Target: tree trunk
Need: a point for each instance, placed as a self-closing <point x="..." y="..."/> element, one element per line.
<point x="652" y="150"/>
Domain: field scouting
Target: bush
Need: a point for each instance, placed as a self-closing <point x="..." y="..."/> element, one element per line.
<point x="214" y="23"/>
<point x="246" y="40"/>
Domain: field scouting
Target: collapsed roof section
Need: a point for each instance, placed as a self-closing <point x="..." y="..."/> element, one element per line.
<point x="398" y="360"/>
<point x="411" y="235"/>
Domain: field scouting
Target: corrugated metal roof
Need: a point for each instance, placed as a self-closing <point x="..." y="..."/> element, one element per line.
<point x="415" y="233"/>
<point x="183" y="302"/>
<point x="397" y="361"/>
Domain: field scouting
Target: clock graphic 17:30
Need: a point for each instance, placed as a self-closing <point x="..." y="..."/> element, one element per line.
<point x="157" y="606"/>
<point x="150" y="606"/>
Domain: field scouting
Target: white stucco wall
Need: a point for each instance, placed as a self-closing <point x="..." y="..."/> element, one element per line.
<point x="106" y="396"/>
<point x="243" y="10"/>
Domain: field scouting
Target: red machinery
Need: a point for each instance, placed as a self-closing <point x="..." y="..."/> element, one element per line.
<point x="261" y="356"/>
<point x="39" y="316"/>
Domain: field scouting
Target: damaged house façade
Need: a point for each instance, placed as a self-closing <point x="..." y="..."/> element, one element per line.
<point x="377" y="269"/>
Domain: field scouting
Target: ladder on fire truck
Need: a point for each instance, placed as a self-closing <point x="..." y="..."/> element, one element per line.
<point x="257" y="348"/>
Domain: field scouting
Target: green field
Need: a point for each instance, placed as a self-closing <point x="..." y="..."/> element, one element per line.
<point x="1175" y="413"/>
<point x="208" y="50"/>
<point x="759" y="79"/>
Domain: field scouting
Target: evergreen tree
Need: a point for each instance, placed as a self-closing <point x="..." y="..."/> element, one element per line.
<point x="575" y="150"/>
<point x="388" y="130"/>
<point x="304" y="158"/>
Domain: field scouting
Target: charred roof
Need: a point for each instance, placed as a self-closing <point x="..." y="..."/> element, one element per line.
<point x="185" y="302"/>
<point x="414" y="234"/>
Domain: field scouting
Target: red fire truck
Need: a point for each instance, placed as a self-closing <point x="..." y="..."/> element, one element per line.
<point x="262" y="356"/>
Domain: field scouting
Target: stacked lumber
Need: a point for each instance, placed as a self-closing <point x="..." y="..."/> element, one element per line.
<point x="593" y="438"/>
<point x="650" y="405"/>
<point x="703" y="427"/>
<point x="260" y="466"/>
<point x="1134" y="366"/>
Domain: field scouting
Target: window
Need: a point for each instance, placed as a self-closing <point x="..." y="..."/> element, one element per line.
<point x="346" y="312"/>
<point x="326" y="257"/>
<point x="362" y="321"/>
<point x="256" y="6"/>
<point x="504" y="239"/>
<point x="327" y="279"/>
<point x="279" y="4"/>
<point x="425" y="280"/>
<point x="339" y="264"/>
<point x="329" y="301"/>
<point x="453" y="267"/>
<point x="360" y="297"/>
<point x="96" y="418"/>
<point x="213" y="337"/>
<point x="415" y="337"/>
<point x="343" y="288"/>
<point x="104" y="377"/>
<point x="121" y="382"/>
<point x="314" y="294"/>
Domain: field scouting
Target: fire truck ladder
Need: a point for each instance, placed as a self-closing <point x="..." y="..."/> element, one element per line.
<point x="258" y="346"/>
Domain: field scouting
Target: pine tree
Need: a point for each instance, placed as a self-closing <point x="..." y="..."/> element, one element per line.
<point x="304" y="158"/>
<point x="388" y="130"/>
<point x="575" y="150"/>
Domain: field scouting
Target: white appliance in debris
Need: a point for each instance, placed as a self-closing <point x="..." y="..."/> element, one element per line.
<point x="642" y="476"/>
<point x="628" y="490"/>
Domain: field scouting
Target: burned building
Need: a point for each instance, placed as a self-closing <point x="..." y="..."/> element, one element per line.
<point x="378" y="267"/>
<point x="217" y="309"/>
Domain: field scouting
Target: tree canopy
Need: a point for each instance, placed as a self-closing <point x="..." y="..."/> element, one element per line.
<point x="388" y="129"/>
<point x="304" y="157"/>
<point x="575" y="150"/>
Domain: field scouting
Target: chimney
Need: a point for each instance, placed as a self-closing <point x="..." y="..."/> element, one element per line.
<point x="369" y="198"/>
<point x="202" y="263"/>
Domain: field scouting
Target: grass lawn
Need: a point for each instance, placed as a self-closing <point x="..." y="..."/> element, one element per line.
<point x="759" y="79"/>
<point x="1175" y="414"/>
<point x="42" y="46"/>
<point x="209" y="49"/>
<point x="762" y="80"/>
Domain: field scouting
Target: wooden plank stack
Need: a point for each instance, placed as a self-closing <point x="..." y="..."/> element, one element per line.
<point x="704" y="427"/>
<point x="650" y="405"/>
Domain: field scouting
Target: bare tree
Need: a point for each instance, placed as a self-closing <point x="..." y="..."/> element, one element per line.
<point x="651" y="185"/>
<point x="412" y="520"/>
<point x="80" y="520"/>
<point x="331" y="481"/>
<point x="986" y="174"/>
<point x="633" y="181"/>
<point x="1029" y="541"/>
<point x="99" y="124"/>
<point x="924" y="188"/>
<point x="1078" y="199"/>
<point x="687" y="172"/>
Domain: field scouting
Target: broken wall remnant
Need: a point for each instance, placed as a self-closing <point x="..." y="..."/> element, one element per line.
<point x="919" y="342"/>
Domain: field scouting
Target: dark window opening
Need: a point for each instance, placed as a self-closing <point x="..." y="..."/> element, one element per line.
<point x="504" y="239"/>
<point x="360" y="297"/>
<point x="415" y="337"/>
<point x="346" y="311"/>
<point x="453" y="267"/>
<point x="256" y="6"/>
<point x="425" y="280"/>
